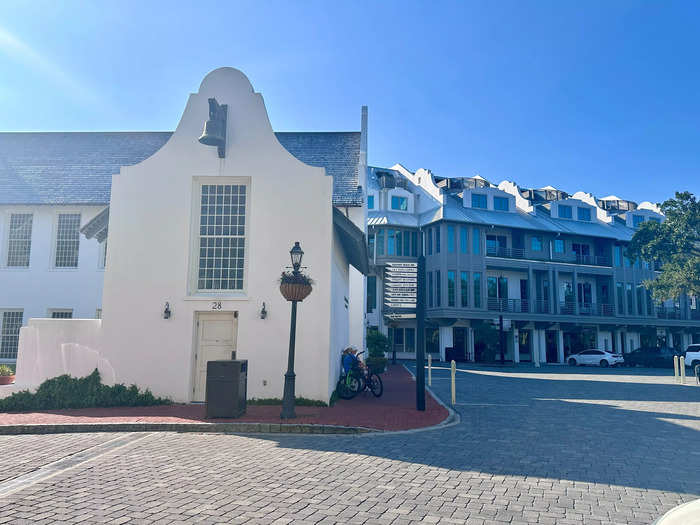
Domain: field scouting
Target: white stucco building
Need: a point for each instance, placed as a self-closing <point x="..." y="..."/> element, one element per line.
<point x="207" y="235"/>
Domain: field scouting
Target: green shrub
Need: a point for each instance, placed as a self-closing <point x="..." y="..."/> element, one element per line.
<point x="377" y="348"/>
<point x="79" y="392"/>
<point x="6" y="370"/>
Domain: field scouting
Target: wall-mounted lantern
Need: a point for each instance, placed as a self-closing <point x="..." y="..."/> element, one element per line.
<point x="214" y="133"/>
<point x="263" y="312"/>
<point x="166" y="311"/>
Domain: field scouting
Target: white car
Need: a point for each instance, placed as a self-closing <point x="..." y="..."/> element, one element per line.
<point x="692" y="355"/>
<point x="596" y="357"/>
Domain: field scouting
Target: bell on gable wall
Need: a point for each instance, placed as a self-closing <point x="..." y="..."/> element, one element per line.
<point x="214" y="133"/>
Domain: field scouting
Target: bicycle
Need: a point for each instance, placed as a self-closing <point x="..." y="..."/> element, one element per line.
<point x="357" y="380"/>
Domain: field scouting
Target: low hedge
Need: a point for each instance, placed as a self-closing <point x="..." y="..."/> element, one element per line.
<point x="79" y="392"/>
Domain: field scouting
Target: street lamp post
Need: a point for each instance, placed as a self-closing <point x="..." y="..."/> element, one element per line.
<point x="295" y="287"/>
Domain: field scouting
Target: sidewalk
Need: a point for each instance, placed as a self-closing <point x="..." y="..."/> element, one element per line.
<point x="395" y="410"/>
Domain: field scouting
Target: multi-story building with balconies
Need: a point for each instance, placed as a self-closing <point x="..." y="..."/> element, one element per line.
<point x="549" y="265"/>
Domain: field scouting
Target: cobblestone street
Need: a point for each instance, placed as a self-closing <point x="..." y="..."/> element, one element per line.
<point x="549" y="445"/>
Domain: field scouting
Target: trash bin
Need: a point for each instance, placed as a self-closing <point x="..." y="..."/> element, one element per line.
<point x="226" y="388"/>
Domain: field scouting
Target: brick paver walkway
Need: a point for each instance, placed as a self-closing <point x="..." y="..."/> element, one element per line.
<point x="394" y="410"/>
<point x="546" y="446"/>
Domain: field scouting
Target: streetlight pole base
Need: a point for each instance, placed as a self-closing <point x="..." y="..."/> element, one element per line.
<point x="288" y="411"/>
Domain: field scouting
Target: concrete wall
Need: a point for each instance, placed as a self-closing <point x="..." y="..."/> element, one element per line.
<point x="52" y="347"/>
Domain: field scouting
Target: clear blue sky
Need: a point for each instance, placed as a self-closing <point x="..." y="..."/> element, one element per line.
<point x="599" y="96"/>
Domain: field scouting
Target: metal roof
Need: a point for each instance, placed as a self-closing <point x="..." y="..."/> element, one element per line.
<point x="77" y="167"/>
<point x="453" y="210"/>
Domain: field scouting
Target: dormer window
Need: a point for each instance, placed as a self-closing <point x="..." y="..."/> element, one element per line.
<point x="501" y="204"/>
<point x="565" y="211"/>
<point x="479" y="201"/>
<point x="637" y="220"/>
<point x="399" y="203"/>
<point x="583" y="214"/>
<point x="370" y="202"/>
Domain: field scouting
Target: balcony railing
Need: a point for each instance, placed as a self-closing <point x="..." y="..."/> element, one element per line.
<point x="592" y="309"/>
<point x="508" y="253"/>
<point x="508" y="305"/>
<point x="521" y="253"/>
<point x="668" y="313"/>
<point x="596" y="309"/>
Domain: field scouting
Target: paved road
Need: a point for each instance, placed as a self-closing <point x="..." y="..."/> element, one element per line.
<point x="552" y="445"/>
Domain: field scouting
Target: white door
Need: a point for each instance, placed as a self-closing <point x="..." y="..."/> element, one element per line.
<point x="216" y="339"/>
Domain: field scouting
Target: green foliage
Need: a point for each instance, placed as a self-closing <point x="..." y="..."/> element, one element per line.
<point x="377" y="348"/>
<point x="6" y="370"/>
<point x="78" y="392"/>
<point x="675" y="244"/>
<point x="298" y="278"/>
<point x="298" y="401"/>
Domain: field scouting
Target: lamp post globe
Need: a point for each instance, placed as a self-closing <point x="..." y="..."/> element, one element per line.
<point x="296" y="253"/>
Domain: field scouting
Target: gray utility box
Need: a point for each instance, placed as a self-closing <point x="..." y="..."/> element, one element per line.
<point x="227" y="385"/>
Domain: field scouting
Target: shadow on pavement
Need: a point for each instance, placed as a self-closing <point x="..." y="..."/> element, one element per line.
<point x="551" y="427"/>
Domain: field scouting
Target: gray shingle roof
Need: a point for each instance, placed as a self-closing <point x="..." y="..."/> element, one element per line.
<point x="77" y="167"/>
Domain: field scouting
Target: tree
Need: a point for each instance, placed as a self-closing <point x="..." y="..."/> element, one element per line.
<point x="675" y="245"/>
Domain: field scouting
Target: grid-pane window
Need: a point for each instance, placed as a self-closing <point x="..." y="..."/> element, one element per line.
<point x="221" y="237"/>
<point x="451" y="292"/>
<point x="584" y="214"/>
<point x="477" y="290"/>
<point x="399" y="203"/>
<point x="637" y="220"/>
<point x="500" y="203"/>
<point x="476" y="242"/>
<point x="67" y="240"/>
<point x="370" y="202"/>
<point x="430" y="289"/>
<point x="406" y="243"/>
<point x="10" y="323"/>
<point x="371" y="292"/>
<point x="478" y="201"/>
<point x="62" y="313"/>
<point x="450" y="238"/>
<point x="463" y="236"/>
<point x="438" y="289"/>
<point x="390" y="246"/>
<point x="19" y="239"/>
<point x="558" y="246"/>
<point x="437" y="239"/>
<point x="464" y="288"/>
<point x="564" y="211"/>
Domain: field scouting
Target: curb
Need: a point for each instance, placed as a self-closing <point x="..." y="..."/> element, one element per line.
<point x="237" y="428"/>
<point x="453" y="418"/>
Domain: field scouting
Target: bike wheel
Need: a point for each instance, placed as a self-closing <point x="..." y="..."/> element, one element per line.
<point x="362" y="383"/>
<point x="348" y="388"/>
<point x="376" y="385"/>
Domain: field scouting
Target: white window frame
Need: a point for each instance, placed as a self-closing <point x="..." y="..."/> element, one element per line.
<point x="54" y="240"/>
<point x="192" y="289"/>
<point x="2" y="315"/>
<point x="5" y="218"/>
<point x="6" y="239"/>
<point x="51" y="311"/>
